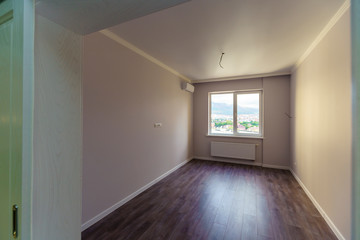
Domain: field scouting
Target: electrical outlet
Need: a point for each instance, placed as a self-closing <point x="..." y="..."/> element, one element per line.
<point x="157" y="125"/>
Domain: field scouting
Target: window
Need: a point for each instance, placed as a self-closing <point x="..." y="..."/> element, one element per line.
<point x="235" y="113"/>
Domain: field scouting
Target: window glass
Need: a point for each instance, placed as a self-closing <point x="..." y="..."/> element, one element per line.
<point x="222" y="113"/>
<point x="248" y="113"/>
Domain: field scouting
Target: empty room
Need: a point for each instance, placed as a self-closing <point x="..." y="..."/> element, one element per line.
<point x="180" y="119"/>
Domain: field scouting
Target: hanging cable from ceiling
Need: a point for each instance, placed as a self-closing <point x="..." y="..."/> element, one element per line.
<point x="222" y="54"/>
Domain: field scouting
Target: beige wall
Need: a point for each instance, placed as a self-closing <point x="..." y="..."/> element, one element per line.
<point x="124" y="95"/>
<point x="57" y="133"/>
<point x="321" y="124"/>
<point x="276" y="144"/>
<point x="274" y="148"/>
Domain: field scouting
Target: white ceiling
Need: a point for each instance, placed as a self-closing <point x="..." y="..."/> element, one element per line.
<point x="257" y="36"/>
<point x="87" y="16"/>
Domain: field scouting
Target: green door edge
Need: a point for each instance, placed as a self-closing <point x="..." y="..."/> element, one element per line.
<point x="355" y="32"/>
<point x="28" y="39"/>
<point x="22" y="109"/>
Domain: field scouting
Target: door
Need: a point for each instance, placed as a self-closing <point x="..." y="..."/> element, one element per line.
<point x="12" y="72"/>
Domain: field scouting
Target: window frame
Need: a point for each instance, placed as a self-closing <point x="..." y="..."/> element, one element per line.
<point x="235" y="114"/>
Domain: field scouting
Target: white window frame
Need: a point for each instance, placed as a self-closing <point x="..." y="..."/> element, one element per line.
<point x="235" y="132"/>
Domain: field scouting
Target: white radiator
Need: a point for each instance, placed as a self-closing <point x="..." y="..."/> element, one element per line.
<point x="233" y="150"/>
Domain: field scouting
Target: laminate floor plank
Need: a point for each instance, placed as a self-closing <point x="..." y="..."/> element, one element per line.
<point x="213" y="200"/>
<point x="217" y="232"/>
<point x="233" y="229"/>
<point x="224" y="209"/>
<point x="249" y="228"/>
<point x="205" y="223"/>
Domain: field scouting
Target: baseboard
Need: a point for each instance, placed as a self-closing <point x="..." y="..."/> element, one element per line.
<point x="319" y="208"/>
<point x="244" y="162"/>
<point x="128" y="198"/>
<point x="276" y="166"/>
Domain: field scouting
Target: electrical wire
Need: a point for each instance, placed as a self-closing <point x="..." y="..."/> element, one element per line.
<point x="222" y="54"/>
<point x="288" y="115"/>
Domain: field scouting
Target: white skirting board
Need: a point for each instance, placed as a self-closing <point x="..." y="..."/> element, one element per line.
<point x="229" y="160"/>
<point x="128" y="198"/>
<point x="275" y="166"/>
<point x="236" y="161"/>
<point x="319" y="208"/>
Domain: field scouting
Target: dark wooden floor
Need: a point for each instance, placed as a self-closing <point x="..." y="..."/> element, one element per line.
<point x="208" y="200"/>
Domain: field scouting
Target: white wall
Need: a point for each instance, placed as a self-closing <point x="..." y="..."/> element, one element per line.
<point x="274" y="148"/>
<point x="321" y="124"/>
<point x="57" y="133"/>
<point x="124" y="95"/>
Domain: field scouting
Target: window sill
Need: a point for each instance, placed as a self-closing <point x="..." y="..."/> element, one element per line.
<point x="234" y="136"/>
